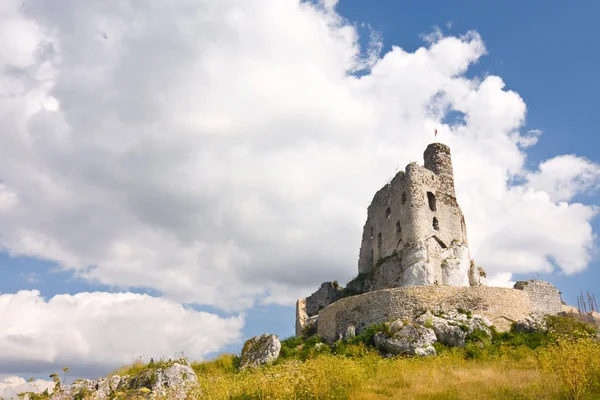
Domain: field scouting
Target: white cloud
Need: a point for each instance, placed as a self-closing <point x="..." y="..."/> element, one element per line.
<point x="565" y="176"/>
<point x="221" y="152"/>
<point x="103" y="331"/>
<point x="11" y="386"/>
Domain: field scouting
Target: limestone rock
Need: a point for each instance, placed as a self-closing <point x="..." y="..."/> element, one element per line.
<point x="530" y="324"/>
<point x="172" y="382"/>
<point x="410" y="339"/>
<point x="455" y="266"/>
<point x="452" y="329"/>
<point x="396" y="326"/>
<point x="260" y="350"/>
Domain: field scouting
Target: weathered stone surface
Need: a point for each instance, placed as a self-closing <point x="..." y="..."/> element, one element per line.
<point x="410" y="339"/>
<point x="455" y="266"/>
<point x="301" y="316"/>
<point x="415" y="233"/>
<point x="477" y="275"/>
<point x="172" y="382"/>
<point x="531" y="323"/>
<point x="328" y="293"/>
<point x="502" y="306"/>
<point x="260" y="350"/>
<point x="452" y="328"/>
<point x="545" y="298"/>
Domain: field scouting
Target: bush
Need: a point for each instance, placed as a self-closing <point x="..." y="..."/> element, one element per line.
<point x="570" y="326"/>
<point x="575" y="363"/>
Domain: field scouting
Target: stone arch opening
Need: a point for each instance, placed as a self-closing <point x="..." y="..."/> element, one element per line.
<point x="436" y="224"/>
<point x="398" y="227"/>
<point x="432" y="201"/>
<point x="403" y="197"/>
<point x="388" y="213"/>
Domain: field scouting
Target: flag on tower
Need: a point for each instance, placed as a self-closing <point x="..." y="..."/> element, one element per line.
<point x="435" y="133"/>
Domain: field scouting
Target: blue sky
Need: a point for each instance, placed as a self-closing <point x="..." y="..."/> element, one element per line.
<point x="153" y="217"/>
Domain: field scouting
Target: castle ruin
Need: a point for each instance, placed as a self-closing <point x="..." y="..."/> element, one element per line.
<point x="415" y="233"/>
<point x="414" y="256"/>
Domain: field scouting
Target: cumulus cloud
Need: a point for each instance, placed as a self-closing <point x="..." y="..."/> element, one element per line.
<point x="565" y="176"/>
<point x="11" y="386"/>
<point x="224" y="152"/>
<point x="102" y="331"/>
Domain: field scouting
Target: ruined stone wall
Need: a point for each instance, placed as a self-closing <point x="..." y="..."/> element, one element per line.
<point x="328" y="293"/>
<point x="502" y="306"/>
<point x="413" y="225"/>
<point x="544" y="296"/>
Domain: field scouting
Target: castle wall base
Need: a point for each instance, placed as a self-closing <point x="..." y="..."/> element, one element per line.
<point x="502" y="306"/>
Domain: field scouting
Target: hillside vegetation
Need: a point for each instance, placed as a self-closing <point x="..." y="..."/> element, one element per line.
<point x="563" y="363"/>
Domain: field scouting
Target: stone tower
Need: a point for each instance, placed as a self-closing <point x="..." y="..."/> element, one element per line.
<point x="415" y="233"/>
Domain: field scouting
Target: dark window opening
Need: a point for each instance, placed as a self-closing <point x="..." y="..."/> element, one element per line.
<point x="388" y="213"/>
<point x="432" y="201"/>
<point x="371" y="232"/>
<point x="398" y="227"/>
<point x="403" y="197"/>
<point x="371" y="255"/>
<point x="379" y="240"/>
<point x="436" y="224"/>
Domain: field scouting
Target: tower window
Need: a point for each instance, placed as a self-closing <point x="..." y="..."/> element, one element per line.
<point x="432" y="201"/>
<point x="403" y="197"/>
<point x="379" y="240"/>
<point x="371" y="232"/>
<point x="388" y="213"/>
<point x="398" y="227"/>
<point x="436" y="224"/>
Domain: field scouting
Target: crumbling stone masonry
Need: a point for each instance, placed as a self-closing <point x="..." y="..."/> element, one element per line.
<point x="502" y="306"/>
<point x="328" y="293"/>
<point x="414" y="257"/>
<point x="545" y="298"/>
<point x="415" y="233"/>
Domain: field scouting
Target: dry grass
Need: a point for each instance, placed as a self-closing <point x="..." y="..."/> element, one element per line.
<point x="565" y="370"/>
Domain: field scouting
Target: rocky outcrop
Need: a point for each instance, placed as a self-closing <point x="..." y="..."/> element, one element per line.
<point x="530" y="324"/>
<point x="410" y="339"/>
<point x="173" y="382"/>
<point x="260" y="350"/>
<point x="453" y="328"/>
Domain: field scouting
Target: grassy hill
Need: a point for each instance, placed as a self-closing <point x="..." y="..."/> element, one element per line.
<point x="563" y="363"/>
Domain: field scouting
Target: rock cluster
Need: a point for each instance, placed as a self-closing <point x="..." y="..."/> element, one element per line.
<point x="410" y="339"/>
<point x="417" y="337"/>
<point x="260" y="350"/>
<point x="172" y="382"/>
<point x="530" y="324"/>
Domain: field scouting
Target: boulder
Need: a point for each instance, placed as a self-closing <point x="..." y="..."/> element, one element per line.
<point x="410" y="339"/>
<point x="530" y="324"/>
<point x="453" y="328"/>
<point x="172" y="382"/>
<point x="260" y="350"/>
